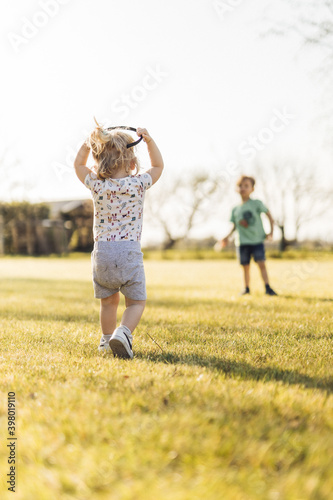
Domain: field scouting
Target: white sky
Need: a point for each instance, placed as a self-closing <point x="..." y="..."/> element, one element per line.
<point x="219" y="83"/>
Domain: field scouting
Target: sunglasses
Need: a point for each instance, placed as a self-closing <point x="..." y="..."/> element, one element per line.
<point x="123" y="127"/>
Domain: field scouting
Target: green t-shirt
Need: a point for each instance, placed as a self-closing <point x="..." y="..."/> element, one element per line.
<point x="247" y="220"/>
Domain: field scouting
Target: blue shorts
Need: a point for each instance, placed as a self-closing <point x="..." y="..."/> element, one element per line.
<point x="244" y="253"/>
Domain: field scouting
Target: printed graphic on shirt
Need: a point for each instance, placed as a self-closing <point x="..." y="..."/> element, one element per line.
<point x="118" y="206"/>
<point x="248" y="219"/>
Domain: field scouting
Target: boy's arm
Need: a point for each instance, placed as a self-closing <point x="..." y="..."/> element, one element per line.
<point x="225" y="240"/>
<point x="156" y="159"/>
<point x="271" y="221"/>
<point x="229" y="234"/>
<point x="80" y="161"/>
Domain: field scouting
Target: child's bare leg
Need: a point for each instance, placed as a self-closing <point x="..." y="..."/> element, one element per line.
<point x="263" y="270"/>
<point x="132" y="313"/>
<point x="264" y="274"/>
<point x="108" y="313"/>
<point x="121" y="339"/>
<point x="246" y="269"/>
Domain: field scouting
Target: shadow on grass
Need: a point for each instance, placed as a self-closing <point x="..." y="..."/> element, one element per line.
<point x="242" y="370"/>
<point x="239" y="302"/>
<point x="307" y="299"/>
<point x="186" y="303"/>
<point x="44" y="316"/>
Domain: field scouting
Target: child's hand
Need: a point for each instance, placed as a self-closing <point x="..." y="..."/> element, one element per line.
<point x="224" y="242"/>
<point x="269" y="236"/>
<point x="219" y="245"/>
<point x="144" y="133"/>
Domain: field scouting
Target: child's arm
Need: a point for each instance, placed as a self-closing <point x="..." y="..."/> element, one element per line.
<point x="156" y="159"/>
<point x="271" y="221"/>
<point x="225" y="240"/>
<point x="80" y="162"/>
<point x="223" y="243"/>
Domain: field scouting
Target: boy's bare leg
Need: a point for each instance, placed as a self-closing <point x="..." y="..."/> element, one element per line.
<point x="264" y="274"/>
<point x="132" y="313"/>
<point x="247" y="275"/>
<point x="108" y="314"/>
<point x="263" y="270"/>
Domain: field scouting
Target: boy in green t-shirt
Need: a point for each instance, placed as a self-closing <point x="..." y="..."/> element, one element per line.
<point x="250" y="234"/>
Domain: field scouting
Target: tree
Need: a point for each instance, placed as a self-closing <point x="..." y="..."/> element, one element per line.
<point x="19" y="224"/>
<point x="182" y="204"/>
<point x="293" y="195"/>
<point x="311" y="22"/>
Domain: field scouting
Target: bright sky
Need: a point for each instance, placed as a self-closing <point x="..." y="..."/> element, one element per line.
<point x="201" y="80"/>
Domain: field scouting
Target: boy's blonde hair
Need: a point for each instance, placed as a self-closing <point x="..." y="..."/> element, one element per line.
<point x="109" y="150"/>
<point x="245" y="178"/>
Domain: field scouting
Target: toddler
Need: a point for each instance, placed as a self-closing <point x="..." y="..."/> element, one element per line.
<point x="118" y="192"/>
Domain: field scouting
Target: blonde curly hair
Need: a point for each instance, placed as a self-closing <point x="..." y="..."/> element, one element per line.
<point x="109" y="150"/>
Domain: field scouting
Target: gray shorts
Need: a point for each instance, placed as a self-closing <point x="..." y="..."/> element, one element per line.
<point x="117" y="266"/>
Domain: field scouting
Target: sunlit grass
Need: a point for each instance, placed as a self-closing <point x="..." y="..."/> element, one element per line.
<point x="237" y="406"/>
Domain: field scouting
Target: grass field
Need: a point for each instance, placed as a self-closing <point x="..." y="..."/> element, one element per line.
<point x="237" y="406"/>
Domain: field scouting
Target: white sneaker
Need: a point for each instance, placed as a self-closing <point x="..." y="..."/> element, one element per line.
<point x="104" y="343"/>
<point x="121" y="343"/>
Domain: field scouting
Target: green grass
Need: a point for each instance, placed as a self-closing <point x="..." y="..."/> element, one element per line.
<point x="237" y="406"/>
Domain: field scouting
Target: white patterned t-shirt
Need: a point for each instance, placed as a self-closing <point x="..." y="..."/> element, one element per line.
<point x="118" y="206"/>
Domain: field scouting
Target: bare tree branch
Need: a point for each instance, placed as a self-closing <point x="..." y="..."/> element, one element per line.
<point x="293" y="194"/>
<point x="182" y="205"/>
